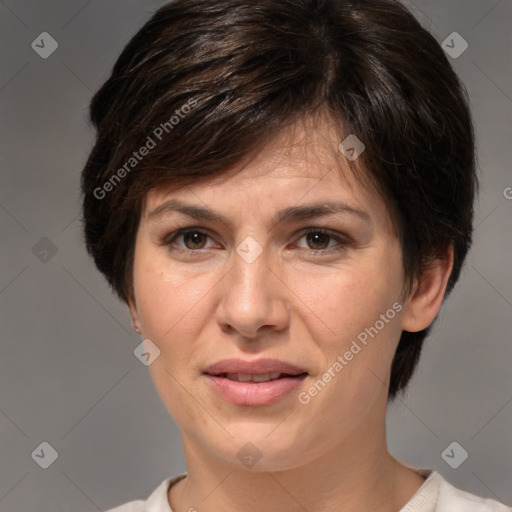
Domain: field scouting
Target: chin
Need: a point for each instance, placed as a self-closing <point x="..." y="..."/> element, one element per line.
<point x="252" y="448"/>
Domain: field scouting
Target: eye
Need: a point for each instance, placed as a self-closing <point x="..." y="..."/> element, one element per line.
<point x="193" y="239"/>
<point x="318" y="241"/>
<point x="321" y="241"/>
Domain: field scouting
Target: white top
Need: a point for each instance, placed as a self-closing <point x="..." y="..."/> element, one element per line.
<point x="435" y="495"/>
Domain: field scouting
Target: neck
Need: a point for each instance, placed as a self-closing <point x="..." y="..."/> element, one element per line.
<point x="355" y="475"/>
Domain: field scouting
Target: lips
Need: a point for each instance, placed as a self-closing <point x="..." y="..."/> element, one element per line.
<point x="258" y="367"/>
<point x="254" y="383"/>
<point x="245" y="377"/>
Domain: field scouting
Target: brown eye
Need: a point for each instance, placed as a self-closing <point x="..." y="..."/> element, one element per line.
<point x="322" y="242"/>
<point x="194" y="240"/>
<point x="317" y="240"/>
<point x="191" y="239"/>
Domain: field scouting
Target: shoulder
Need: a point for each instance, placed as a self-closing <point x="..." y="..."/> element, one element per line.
<point x="156" y="502"/>
<point x="438" y="495"/>
<point x="451" y="499"/>
<point x="132" y="506"/>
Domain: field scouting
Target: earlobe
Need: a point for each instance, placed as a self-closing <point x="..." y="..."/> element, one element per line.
<point x="428" y="293"/>
<point x="135" y="317"/>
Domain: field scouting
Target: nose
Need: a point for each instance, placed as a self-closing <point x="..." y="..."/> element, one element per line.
<point x="253" y="301"/>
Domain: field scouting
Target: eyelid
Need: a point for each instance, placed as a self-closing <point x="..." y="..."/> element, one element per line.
<point x="343" y="239"/>
<point x="169" y="238"/>
<point x="331" y="232"/>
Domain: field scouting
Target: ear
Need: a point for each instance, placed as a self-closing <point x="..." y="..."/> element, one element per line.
<point x="428" y="293"/>
<point x="135" y="317"/>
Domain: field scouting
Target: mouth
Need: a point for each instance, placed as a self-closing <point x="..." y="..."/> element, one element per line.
<point x="254" y="383"/>
<point x="261" y="377"/>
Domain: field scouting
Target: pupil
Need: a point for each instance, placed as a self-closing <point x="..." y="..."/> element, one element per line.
<point x="194" y="238"/>
<point x="318" y="238"/>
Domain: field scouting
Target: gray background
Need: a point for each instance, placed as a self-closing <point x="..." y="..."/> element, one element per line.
<point x="68" y="375"/>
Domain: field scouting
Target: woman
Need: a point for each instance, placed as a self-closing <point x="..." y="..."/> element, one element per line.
<point x="282" y="193"/>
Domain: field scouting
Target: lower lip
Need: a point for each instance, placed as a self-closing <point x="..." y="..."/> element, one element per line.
<point x="254" y="393"/>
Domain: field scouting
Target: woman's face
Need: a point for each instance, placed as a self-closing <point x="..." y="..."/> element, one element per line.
<point x="266" y="275"/>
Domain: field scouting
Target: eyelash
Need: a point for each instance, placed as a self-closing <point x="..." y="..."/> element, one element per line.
<point x="343" y="240"/>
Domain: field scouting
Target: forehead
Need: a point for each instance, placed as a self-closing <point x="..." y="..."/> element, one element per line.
<point x="302" y="163"/>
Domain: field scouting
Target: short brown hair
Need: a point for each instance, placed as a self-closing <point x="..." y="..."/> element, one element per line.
<point x="219" y="77"/>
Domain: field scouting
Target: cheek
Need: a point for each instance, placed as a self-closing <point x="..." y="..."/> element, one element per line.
<point x="353" y="314"/>
<point x="342" y="303"/>
<point x="356" y="355"/>
<point x="168" y="301"/>
<point x="171" y="308"/>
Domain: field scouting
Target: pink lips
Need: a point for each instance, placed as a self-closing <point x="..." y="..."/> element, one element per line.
<point x="249" y="392"/>
<point x="258" y="366"/>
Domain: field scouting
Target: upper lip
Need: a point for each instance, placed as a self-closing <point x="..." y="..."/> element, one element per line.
<point x="257" y="367"/>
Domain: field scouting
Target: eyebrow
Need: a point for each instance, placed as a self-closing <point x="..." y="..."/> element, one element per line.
<point x="290" y="214"/>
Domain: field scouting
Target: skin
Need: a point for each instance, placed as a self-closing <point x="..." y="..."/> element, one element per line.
<point x="303" y="300"/>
